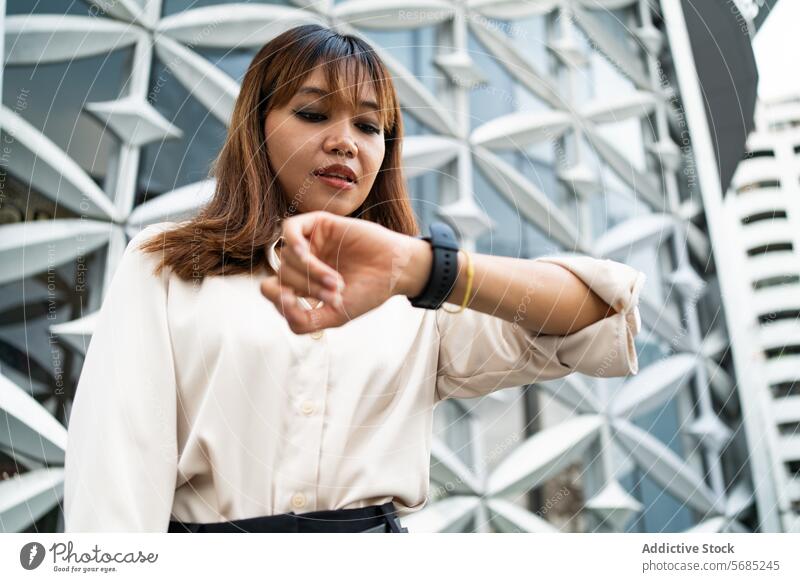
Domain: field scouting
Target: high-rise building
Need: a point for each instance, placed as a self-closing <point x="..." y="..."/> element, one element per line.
<point x="762" y="211"/>
<point x="602" y="127"/>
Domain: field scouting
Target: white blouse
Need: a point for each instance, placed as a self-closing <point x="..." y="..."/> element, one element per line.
<point x="196" y="401"/>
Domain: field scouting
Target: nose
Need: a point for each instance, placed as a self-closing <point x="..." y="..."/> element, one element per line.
<point x="341" y="142"/>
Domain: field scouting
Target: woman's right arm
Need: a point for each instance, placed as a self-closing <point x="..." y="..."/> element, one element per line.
<point x="122" y="452"/>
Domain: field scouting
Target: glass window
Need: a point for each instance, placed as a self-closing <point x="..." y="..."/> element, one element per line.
<point x="424" y="192"/>
<point x="498" y="96"/>
<point x="172" y="163"/>
<point x="174" y="6"/>
<point x="51" y="97"/>
<point x="21" y="202"/>
<point x="450" y="424"/>
<point x="74" y="7"/>
<point x="626" y="137"/>
<point x="530" y="36"/>
<point x="413" y="126"/>
<point x="233" y="62"/>
<point x="648" y="260"/>
<point x="606" y="80"/>
<point x="541" y="175"/>
<point x="512" y="236"/>
<point x="415" y="49"/>
<point x="612" y="207"/>
<point x="28" y="354"/>
<point x="661" y="511"/>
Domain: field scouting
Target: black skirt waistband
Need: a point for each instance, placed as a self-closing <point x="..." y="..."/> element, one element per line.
<point x="355" y="520"/>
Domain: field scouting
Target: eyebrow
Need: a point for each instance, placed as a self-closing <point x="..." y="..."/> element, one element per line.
<point x="322" y="93"/>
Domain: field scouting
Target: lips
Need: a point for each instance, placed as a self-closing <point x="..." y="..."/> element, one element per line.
<point x="337" y="171"/>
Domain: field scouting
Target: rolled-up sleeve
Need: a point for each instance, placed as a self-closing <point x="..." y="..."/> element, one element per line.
<point x="480" y="353"/>
<point x="121" y="458"/>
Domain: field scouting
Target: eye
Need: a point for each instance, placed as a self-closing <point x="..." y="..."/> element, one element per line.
<point x="317" y="117"/>
<point x="369" y="128"/>
<point x="307" y="115"/>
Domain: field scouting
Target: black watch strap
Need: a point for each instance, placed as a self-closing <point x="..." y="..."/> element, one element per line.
<point x="444" y="270"/>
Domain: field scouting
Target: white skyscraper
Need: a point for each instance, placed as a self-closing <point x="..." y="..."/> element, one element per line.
<point x="762" y="210"/>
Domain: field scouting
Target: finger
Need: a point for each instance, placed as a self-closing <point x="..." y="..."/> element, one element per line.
<point x="297" y="231"/>
<point x="300" y="320"/>
<point x="304" y="286"/>
<point x="314" y="270"/>
<point x="316" y="319"/>
<point x="283" y="298"/>
<point x="271" y="289"/>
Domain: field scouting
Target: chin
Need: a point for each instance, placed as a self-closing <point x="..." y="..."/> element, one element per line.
<point x="342" y="203"/>
<point x="338" y="207"/>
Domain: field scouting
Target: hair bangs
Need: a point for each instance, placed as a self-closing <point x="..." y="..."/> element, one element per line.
<point x="350" y="79"/>
<point x="351" y="68"/>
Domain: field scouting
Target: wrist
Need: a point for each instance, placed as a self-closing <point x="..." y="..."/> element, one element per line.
<point x="417" y="269"/>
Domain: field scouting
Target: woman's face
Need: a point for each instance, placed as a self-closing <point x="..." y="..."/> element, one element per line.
<point x="307" y="135"/>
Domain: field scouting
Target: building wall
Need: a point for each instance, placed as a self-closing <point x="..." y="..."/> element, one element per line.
<point x="763" y="210"/>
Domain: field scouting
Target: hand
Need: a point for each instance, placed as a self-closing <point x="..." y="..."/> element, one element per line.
<point x="352" y="265"/>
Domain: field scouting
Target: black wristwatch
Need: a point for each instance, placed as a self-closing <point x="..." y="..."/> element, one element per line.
<point x="444" y="270"/>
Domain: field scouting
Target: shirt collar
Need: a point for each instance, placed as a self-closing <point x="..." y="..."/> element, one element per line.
<point x="272" y="256"/>
<point x="275" y="263"/>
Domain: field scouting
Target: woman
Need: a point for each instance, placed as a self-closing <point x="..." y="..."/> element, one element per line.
<point x="203" y="406"/>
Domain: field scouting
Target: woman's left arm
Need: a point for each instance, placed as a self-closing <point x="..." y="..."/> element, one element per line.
<point x="538" y="295"/>
<point x="480" y="353"/>
<point x="545" y="297"/>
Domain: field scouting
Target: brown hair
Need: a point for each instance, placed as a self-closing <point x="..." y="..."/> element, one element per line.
<point x="232" y="233"/>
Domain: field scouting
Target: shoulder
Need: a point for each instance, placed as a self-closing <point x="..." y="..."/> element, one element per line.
<point x="136" y="259"/>
<point x="145" y="235"/>
<point x="149" y="231"/>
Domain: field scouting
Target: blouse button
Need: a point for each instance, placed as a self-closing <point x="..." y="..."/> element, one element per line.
<point x="317" y="334"/>
<point x="298" y="500"/>
<point x="307" y="407"/>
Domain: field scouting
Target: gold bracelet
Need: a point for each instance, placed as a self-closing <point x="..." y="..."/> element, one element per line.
<point x="470" y="275"/>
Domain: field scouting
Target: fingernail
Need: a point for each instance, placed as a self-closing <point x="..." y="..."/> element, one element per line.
<point x="330" y="297"/>
<point x="331" y="281"/>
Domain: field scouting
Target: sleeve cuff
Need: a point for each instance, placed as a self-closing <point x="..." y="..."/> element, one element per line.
<point x="606" y="347"/>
